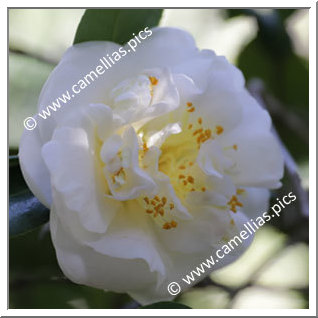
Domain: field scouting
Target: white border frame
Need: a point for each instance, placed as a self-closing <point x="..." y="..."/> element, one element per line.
<point x="312" y="160"/>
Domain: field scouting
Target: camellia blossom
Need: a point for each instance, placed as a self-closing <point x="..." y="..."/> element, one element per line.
<point x="153" y="167"/>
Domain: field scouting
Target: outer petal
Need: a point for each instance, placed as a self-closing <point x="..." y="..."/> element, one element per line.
<point x="182" y="265"/>
<point x="33" y="167"/>
<point x="165" y="47"/>
<point x="85" y="266"/>
<point x="258" y="159"/>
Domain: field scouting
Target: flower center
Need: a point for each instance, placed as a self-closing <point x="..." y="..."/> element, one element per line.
<point x="162" y="166"/>
<point x="180" y="152"/>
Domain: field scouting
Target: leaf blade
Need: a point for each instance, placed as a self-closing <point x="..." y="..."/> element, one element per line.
<point x="26" y="212"/>
<point x="115" y="25"/>
<point x="166" y="305"/>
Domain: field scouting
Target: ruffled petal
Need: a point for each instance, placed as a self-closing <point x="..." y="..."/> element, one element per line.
<point x="71" y="164"/>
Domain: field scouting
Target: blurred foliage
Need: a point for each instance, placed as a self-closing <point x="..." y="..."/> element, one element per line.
<point x="270" y="57"/>
<point x="27" y="75"/>
<point x="273" y="273"/>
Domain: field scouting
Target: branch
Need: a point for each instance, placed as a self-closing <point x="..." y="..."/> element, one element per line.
<point x="32" y="55"/>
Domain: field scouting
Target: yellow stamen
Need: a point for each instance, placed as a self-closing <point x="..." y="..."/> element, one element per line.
<point x="153" y="80"/>
<point x="197" y="131"/>
<point x="190" y="179"/>
<point x="166" y="226"/>
<point x="219" y="130"/>
<point x="146" y="199"/>
<point x="173" y="223"/>
<point x="240" y="191"/>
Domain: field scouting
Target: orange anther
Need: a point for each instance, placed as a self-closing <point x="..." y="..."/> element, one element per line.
<point x="197" y="131"/>
<point x="153" y="80"/>
<point x="190" y="179"/>
<point x="219" y="130"/>
<point x="173" y="223"/>
<point x="146" y="200"/>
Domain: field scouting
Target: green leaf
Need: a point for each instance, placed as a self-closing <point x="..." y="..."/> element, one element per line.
<point x="16" y="180"/>
<point x="115" y="25"/>
<point x="25" y="211"/>
<point x="166" y="305"/>
<point x="287" y="79"/>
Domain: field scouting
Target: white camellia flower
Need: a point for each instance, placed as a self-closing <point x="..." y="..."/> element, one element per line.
<point x="153" y="167"/>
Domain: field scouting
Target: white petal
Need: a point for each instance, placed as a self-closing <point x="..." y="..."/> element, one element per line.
<point x="83" y="265"/>
<point x="33" y="167"/>
<point x="136" y="181"/>
<point x="166" y="47"/>
<point x="258" y="159"/>
<point x="255" y="201"/>
<point x="78" y="61"/>
<point x="73" y="174"/>
<point x="131" y="237"/>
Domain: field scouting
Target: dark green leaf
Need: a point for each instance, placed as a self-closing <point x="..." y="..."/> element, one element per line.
<point x="16" y="180"/>
<point x="115" y="25"/>
<point x="166" y="305"/>
<point x="25" y="213"/>
<point x="287" y="80"/>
